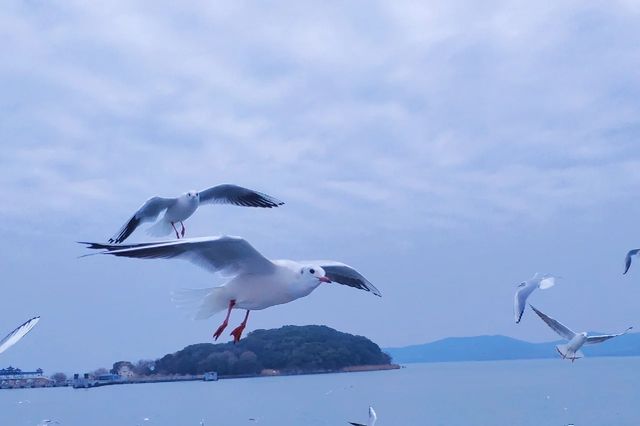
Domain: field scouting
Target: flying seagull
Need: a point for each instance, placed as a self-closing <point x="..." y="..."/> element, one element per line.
<point x="525" y="288"/>
<point x="627" y="259"/>
<point x="179" y="209"/>
<point x="256" y="282"/>
<point x="17" y="334"/>
<point x="372" y="419"/>
<point x="571" y="350"/>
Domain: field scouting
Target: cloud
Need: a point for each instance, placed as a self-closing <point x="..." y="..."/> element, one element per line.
<point x="440" y="109"/>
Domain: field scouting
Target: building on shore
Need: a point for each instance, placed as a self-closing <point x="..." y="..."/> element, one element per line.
<point x="11" y="377"/>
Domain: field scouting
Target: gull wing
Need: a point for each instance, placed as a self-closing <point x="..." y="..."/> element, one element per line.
<point x="17" y="334"/>
<point x="226" y="255"/>
<point x="520" y="300"/>
<point x="237" y="195"/>
<point x="591" y="340"/>
<point x="344" y="274"/>
<point x="627" y="259"/>
<point x="147" y="213"/>
<point x="556" y="326"/>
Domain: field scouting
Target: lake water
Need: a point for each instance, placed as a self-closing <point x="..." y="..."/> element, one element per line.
<point x="593" y="391"/>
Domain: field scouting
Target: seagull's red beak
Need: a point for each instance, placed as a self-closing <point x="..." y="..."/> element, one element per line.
<point x="324" y="280"/>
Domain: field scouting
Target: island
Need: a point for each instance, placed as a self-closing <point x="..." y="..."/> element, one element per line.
<point x="289" y="350"/>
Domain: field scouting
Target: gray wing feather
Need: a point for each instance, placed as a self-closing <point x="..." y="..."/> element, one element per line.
<point x="345" y="275"/>
<point x="598" y="339"/>
<point x="147" y="213"/>
<point x="225" y="255"/>
<point x="556" y="326"/>
<point x="237" y="195"/>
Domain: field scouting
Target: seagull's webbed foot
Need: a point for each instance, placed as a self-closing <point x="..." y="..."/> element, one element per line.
<point x="224" y="324"/>
<point x="220" y="329"/>
<point x="237" y="332"/>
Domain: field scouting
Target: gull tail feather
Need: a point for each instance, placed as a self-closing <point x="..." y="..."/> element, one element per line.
<point x="160" y="228"/>
<point x="201" y="303"/>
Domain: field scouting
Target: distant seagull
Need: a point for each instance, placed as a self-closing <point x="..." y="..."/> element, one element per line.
<point x="48" y="422"/>
<point x="178" y="209"/>
<point x="525" y="288"/>
<point x="627" y="259"/>
<point x="571" y="350"/>
<point x="257" y="282"/>
<point x="372" y="419"/>
<point x="17" y="334"/>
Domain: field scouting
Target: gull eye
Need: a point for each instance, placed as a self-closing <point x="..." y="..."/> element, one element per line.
<point x="313" y="271"/>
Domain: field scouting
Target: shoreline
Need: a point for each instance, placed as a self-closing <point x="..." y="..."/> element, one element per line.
<point x="83" y="383"/>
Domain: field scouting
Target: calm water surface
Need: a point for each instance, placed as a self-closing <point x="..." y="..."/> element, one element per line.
<point x="596" y="391"/>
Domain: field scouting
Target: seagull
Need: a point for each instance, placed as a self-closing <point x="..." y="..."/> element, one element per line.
<point x="627" y="259"/>
<point x="17" y="334"/>
<point x="179" y="209"/>
<point x="525" y="288"/>
<point x="571" y="350"/>
<point x="256" y="282"/>
<point x="372" y="419"/>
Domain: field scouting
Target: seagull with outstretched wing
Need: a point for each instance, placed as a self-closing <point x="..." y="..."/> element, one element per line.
<point x="17" y="334"/>
<point x="571" y="350"/>
<point x="525" y="288"/>
<point x="372" y="419"/>
<point x="255" y="282"/>
<point x="178" y="209"/>
<point x="627" y="259"/>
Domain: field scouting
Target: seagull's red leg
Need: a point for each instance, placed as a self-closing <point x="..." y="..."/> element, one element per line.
<point x="174" y="228"/>
<point x="224" y="324"/>
<point x="237" y="332"/>
<point x="183" y="228"/>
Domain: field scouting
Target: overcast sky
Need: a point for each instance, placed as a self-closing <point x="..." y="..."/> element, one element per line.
<point x="448" y="150"/>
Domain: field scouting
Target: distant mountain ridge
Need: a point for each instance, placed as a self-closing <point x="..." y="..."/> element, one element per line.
<point x="497" y="347"/>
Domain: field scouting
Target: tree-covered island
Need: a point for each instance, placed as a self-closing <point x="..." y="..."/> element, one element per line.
<point x="287" y="350"/>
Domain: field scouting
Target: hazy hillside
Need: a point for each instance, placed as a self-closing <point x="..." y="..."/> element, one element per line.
<point x="485" y="348"/>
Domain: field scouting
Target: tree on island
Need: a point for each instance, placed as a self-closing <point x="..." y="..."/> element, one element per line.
<point x="99" y="372"/>
<point x="291" y="349"/>
<point x="59" y="378"/>
<point x="119" y="366"/>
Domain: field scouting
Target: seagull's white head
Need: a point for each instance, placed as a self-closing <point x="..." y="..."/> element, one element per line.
<point x="314" y="274"/>
<point x="192" y="195"/>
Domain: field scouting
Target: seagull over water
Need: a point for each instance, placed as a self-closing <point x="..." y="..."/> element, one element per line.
<point x="176" y="210"/>
<point x="571" y="350"/>
<point x="525" y="288"/>
<point x="372" y="419"/>
<point x="627" y="259"/>
<point x="256" y="282"/>
<point x="17" y="334"/>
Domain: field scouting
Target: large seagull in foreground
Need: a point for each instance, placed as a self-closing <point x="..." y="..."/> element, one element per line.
<point x="571" y="350"/>
<point x="17" y="334"/>
<point x="176" y="210"/>
<point x="257" y="282"/>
